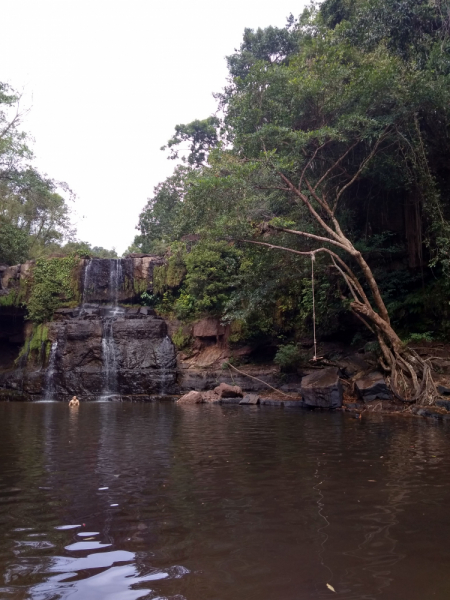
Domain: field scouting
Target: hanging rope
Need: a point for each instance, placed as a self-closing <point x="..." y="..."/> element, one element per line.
<point x="313" y="258"/>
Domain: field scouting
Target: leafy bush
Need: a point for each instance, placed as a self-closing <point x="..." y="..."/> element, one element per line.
<point x="53" y="284"/>
<point x="14" y="244"/>
<point x="181" y="339"/>
<point x="288" y="357"/>
<point x="211" y="276"/>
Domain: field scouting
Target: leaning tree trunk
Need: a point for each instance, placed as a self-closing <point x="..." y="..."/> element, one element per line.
<point x="409" y="375"/>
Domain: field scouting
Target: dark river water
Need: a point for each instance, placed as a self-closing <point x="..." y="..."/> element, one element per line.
<point x="128" y="501"/>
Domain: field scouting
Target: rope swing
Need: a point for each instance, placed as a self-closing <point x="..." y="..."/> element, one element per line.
<point x="313" y="258"/>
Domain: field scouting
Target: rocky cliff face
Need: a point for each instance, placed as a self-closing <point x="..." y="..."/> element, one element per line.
<point x="95" y="354"/>
<point x="134" y="275"/>
<point x="100" y="349"/>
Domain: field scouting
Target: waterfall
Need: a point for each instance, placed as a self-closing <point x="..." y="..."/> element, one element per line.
<point x="115" y="279"/>
<point x="109" y="359"/>
<point x="49" y="388"/>
<point x="87" y="272"/>
<point x="166" y="359"/>
<point x="108" y="345"/>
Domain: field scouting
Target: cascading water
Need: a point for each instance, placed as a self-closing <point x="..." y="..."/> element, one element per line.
<point x="109" y="360"/>
<point x="108" y="345"/>
<point x="49" y="389"/>
<point x="115" y="279"/>
<point x="86" y="283"/>
<point x="166" y="362"/>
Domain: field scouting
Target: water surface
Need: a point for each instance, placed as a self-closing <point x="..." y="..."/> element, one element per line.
<point x="128" y="501"/>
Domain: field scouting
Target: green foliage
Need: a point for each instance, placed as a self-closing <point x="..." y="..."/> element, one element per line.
<point x="159" y="221"/>
<point x="14" y="244"/>
<point x="211" y="269"/>
<point x="202" y="136"/>
<point x="427" y="336"/>
<point x="34" y="210"/>
<point x="39" y="337"/>
<point x="85" y="250"/>
<point x="169" y="276"/>
<point x="53" y="283"/>
<point x="36" y="347"/>
<point x="16" y="296"/>
<point x="9" y="299"/>
<point x="181" y="339"/>
<point x="288" y="357"/>
<point x="352" y="100"/>
<point x="149" y="299"/>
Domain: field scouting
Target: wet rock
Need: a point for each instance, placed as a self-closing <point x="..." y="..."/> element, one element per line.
<point x="250" y="399"/>
<point x="230" y="400"/>
<point x="228" y="391"/>
<point x="322" y="389"/>
<point x="146" y="310"/>
<point x="64" y="313"/>
<point x="443" y="402"/>
<point x="294" y="404"/>
<point x="372" y="387"/>
<point x="211" y="397"/>
<point x="444" y="391"/>
<point x="194" y="378"/>
<point x="144" y="359"/>
<point x="191" y="398"/>
<point x="269" y="402"/>
<point x="430" y="412"/>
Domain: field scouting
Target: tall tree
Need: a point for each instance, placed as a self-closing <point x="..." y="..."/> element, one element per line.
<point x="310" y="133"/>
<point x="34" y="215"/>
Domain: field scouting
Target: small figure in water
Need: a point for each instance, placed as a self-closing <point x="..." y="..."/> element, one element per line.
<point x="74" y="402"/>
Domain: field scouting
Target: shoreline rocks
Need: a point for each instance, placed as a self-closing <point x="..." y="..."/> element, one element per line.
<point x="322" y="389"/>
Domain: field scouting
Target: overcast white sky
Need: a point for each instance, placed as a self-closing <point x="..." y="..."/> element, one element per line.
<point x="107" y="81"/>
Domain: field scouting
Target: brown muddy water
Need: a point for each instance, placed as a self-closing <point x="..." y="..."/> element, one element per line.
<point x="128" y="501"/>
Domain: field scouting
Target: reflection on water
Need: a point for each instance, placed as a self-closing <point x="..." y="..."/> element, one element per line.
<point x="129" y="501"/>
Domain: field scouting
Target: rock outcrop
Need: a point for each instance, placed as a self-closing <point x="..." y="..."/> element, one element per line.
<point x="322" y="389"/>
<point x="98" y="349"/>
<point x="372" y="386"/>
<point x="97" y="277"/>
<point x="141" y="360"/>
<point x="191" y="398"/>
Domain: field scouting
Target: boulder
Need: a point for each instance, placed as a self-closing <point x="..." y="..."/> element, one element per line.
<point x="230" y="401"/>
<point x="228" y="391"/>
<point x="269" y="402"/>
<point x="191" y="398"/>
<point x="322" y="389"/>
<point x="444" y="391"/>
<point x="372" y="387"/>
<point x="430" y="412"/>
<point x="210" y="396"/>
<point x="352" y="365"/>
<point x="209" y="327"/>
<point x="250" y="399"/>
<point x="443" y="402"/>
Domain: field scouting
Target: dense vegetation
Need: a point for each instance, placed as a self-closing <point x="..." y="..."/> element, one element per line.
<point x="330" y="146"/>
<point x="34" y="209"/>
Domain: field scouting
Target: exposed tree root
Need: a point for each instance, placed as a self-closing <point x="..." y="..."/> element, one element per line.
<point x="410" y="378"/>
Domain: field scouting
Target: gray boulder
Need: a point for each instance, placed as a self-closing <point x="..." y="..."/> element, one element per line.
<point x="250" y="399"/>
<point x="322" y="389"/>
<point x="372" y="387"/>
